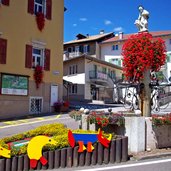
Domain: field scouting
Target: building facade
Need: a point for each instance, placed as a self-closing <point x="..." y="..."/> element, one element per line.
<point x="31" y="34"/>
<point x="90" y="78"/>
<point x="89" y="45"/>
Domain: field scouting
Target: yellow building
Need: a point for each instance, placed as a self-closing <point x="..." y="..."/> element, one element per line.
<point x="27" y="39"/>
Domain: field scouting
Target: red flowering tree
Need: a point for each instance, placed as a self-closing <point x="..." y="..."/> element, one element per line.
<point x="143" y="54"/>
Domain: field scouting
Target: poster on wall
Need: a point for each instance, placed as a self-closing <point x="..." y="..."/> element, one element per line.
<point x="14" y="84"/>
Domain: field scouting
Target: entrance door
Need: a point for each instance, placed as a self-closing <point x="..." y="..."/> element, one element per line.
<point x="95" y="93"/>
<point x="54" y="94"/>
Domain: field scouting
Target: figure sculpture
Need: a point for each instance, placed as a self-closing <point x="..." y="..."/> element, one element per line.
<point x="142" y="21"/>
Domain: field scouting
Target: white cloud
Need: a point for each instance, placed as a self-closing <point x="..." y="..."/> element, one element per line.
<point x="83" y="19"/>
<point x="107" y="22"/>
<point x="74" y="25"/>
<point x="118" y="29"/>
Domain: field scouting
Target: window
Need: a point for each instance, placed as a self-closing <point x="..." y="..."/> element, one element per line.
<point x="39" y="6"/>
<point x="112" y="74"/>
<point x="116" y="61"/>
<point x="115" y="47"/>
<point x="73" y="89"/>
<point x="38" y="57"/>
<point x="86" y="49"/>
<point x="73" y="69"/>
<point x="104" y="70"/>
<point x="3" y="51"/>
<point x="36" y="104"/>
<point x="168" y="55"/>
<point x="44" y="6"/>
<point x="5" y="2"/>
<point x="70" y="49"/>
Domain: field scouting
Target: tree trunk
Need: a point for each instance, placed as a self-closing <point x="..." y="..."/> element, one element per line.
<point x="146" y="103"/>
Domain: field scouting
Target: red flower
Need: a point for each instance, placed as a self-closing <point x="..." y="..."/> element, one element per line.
<point x="38" y="75"/>
<point x="142" y="52"/>
<point x="40" y="19"/>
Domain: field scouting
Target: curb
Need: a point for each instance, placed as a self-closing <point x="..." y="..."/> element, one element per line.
<point x="153" y="156"/>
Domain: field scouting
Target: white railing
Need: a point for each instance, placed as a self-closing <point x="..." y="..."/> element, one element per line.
<point x="70" y="55"/>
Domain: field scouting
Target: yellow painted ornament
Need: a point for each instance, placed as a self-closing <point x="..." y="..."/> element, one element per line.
<point x="5" y="152"/>
<point x="34" y="149"/>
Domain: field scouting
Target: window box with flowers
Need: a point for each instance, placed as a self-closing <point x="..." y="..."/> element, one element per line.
<point x="162" y="130"/>
<point x="113" y="122"/>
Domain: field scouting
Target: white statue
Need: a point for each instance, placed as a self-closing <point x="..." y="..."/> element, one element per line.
<point x="142" y="21"/>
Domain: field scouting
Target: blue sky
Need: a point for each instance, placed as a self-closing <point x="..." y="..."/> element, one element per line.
<point x="91" y="16"/>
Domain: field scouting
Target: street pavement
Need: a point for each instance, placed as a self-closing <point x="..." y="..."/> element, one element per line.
<point x="8" y="128"/>
<point x="11" y="127"/>
<point x="162" y="164"/>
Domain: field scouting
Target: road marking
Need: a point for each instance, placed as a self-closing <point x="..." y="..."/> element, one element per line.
<point x="8" y="126"/>
<point x="10" y="122"/>
<point x="22" y="120"/>
<point x="58" y="116"/>
<point x="128" y="165"/>
<point x="41" y="118"/>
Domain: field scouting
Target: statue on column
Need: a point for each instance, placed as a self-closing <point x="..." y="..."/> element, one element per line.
<point x="142" y="21"/>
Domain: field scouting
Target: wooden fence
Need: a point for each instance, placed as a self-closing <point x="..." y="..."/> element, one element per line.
<point x="69" y="157"/>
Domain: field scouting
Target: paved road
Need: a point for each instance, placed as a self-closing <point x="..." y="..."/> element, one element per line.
<point x="9" y="128"/>
<point x="163" y="164"/>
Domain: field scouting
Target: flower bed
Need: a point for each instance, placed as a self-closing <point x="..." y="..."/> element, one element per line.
<point x="162" y="130"/>
<point x="62" y="155"/>
<point x="103" y="120"/>
<point x="158" y="120"/>
<point x="68" y="157"/>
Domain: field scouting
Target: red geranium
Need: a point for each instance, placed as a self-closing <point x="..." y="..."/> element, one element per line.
<point x="141" y="52"/>
<point x="38" y="75"/>
<point x="40" y="19"/>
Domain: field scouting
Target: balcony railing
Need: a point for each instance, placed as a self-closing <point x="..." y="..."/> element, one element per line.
<point x="97" y="75"/>
<point x="104" y="76"/>
<point x="69" y="55"/>
<point x="74" y="54"/>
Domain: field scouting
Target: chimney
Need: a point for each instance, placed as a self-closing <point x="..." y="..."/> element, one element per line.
<point x="120" y="35"/>
<point x="87" y="35"/>
<point x="101" y="31"/>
